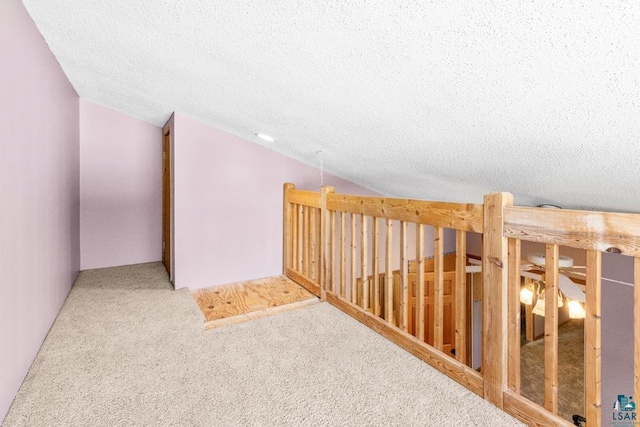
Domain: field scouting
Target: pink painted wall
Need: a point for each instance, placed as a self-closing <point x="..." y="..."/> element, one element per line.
<point x="228" y="205"/>
<point x="120" y="188"/>
<point x="39" y="178"/>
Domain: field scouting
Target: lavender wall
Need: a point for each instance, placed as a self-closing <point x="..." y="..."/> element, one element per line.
<point x="228" y="205"/>
<point x="39" y="178"/>
<point x="120" y="188"/>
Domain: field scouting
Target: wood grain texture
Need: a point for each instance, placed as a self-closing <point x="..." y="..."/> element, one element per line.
<point x="352" y="258"/>
<point x="531" y="413"/>
<point x="364" y="272"/>
<point x="529" y="321"/>
<point x="513" y="313"/>
<point x="313" y="244"/>
<point x="306" y="241"/>
<point x="421" y="291"/>
<point x="287" y="228"/>
<point x="551" y="329"/>
<point x="326" y="253"/>
<point x="593" y="339"/>
<point x="455" y="370"/>
<point x="636" y="327"/>
<point x="461" y="298"/>
<point x="376" y="266"/>
<point x="388" y="278"/>
<point x="167" y="196"/>
<point x="449" y="299"/>
<point x="467" y="217"/>
<point x="304" y="281"/>
<point x="244" y="297"/>
<point x="438" y="285"/>
<point x="343" y="255"/>
<point x="300" y="242"/>
<point x="294" y="237"/>
<point x="495" y="279"/>
<point x="214" y="324"/>
<point x="600" y="231"/>
<point x="404" y="281"/>
<point x="304" y="198"/>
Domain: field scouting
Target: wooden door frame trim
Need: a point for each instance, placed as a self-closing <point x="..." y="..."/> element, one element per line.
<point x="168" y="129"/>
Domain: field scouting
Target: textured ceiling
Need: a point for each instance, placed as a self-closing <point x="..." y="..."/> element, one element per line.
<point x="437" y="99"/>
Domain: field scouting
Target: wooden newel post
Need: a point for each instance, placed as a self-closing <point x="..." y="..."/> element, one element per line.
<point x="286" y="228"/>
<point x="494" y="298"/>
<point x="326" y="263"/>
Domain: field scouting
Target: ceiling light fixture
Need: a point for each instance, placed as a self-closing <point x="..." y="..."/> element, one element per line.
<point x="265" y="137"/>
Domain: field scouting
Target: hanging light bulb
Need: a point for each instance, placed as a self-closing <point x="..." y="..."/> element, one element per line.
<point x="526" y="294"/>
<point x="539" y="307"/>
<point x="576" y="310"/>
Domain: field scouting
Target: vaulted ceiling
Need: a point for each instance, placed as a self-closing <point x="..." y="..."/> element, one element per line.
<point x="440" y="99"/>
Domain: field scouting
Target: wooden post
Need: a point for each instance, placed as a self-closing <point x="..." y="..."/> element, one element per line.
<point x="494" y="292"/>
<point x="286" y="228"/>
<point x="326" y="243"/>
<point x="593" y="338"/>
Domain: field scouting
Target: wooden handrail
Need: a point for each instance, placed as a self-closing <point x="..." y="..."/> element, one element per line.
<point x="467" y="217"/>
<point x="600" y="231"/>
<point x="324" y="252"/>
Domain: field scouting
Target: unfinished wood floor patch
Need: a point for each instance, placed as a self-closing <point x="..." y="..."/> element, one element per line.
<point x="239" y="302"/>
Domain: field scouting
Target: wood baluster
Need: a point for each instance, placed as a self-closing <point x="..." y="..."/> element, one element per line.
<point x="551" y="329"/>
<point x="375" y="269"/>
<point x="354" y="287"/>
<point x="388" y="278"/>
<point x="513" y="313"/>
<point x="404" y="278"/>
<point x="438" y="288"/>
<point x="364" y="237"/>
<point x="461" y="303"/>
<point x="593" y="338"/>
<point x="420" y="291"/>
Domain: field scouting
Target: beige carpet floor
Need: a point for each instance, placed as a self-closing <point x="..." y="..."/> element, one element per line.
<point x="127" y="350"/>
<point x="570" y="370"/>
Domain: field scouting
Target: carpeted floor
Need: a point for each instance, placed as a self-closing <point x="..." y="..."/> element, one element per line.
<point x="570" y="370"/>
<point x="127" y="350"/>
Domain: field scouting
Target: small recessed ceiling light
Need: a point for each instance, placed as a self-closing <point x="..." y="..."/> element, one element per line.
<point x="265" y="137"/>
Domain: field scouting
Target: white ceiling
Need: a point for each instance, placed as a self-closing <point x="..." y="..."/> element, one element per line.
<point x="438" y="99"/>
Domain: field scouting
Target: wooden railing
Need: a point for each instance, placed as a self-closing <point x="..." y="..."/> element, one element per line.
<point x="595" y="232"/>
<point x="302" y="236"/>
<point x="366" y="256"/>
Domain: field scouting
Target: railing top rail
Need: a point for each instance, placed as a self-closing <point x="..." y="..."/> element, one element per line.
<point x="304" y="197"/>
<point x="465" y="217"/>
<point x="601" y="231"/>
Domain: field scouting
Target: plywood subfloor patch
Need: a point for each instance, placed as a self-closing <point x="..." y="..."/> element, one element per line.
<point x="239" y="302"/>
